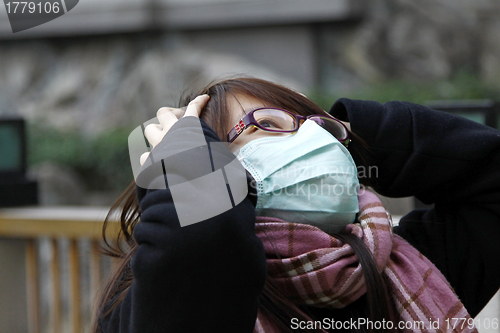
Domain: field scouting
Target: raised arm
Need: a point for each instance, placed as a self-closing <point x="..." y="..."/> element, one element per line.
<point x="451" y="162"/>
<point x="431" y="154"/>
<point x="202" y="277"/>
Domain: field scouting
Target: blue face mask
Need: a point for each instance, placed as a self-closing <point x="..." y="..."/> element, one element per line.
<point x="307" y="177"/>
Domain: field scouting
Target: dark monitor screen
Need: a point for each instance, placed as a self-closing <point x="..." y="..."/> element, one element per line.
<point x="12" y="147"/>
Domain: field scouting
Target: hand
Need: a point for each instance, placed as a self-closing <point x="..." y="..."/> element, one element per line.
<point x="168" y="117"/>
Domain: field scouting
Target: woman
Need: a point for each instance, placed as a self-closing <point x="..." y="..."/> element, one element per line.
<point x="231" y="274"/>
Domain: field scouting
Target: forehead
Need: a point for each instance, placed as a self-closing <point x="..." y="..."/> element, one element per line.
<point x="239" y="105"/>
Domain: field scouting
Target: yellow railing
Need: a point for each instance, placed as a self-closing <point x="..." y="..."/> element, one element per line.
<point x="27" y="225"/>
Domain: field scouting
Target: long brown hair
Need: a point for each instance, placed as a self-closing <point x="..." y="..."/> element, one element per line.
<point x="376" y="305"/>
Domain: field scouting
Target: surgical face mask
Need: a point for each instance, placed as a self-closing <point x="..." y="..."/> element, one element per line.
<point x="306" y="177"/>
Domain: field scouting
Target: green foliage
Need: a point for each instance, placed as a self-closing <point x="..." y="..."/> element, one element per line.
<point x="48" y="144"/>
<point x="102" y="161"/>
<point x="461" y="87"/>
<point x="111" y="157"/>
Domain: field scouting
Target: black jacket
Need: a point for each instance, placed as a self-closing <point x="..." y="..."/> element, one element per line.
<point x="208" y="276"/>
<point x="451" y="162"/>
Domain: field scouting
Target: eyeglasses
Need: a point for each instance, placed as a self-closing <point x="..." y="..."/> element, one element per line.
<point x="283" y="121"/>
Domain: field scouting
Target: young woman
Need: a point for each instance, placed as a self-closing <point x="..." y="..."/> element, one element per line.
<point x="279" y="261"/>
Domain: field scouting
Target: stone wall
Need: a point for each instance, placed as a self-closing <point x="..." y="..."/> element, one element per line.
<point x="417" y="40"/>
<point x="91" y="83"/>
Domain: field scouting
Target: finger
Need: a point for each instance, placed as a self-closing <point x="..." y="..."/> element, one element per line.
<point x="179" y="112"/>
<point x="163" y="110"/>
<point x="144" y="158"/>
<point x="154" y="134"/>
<point x="196" y="105"/>
<point x="166" y="118"/>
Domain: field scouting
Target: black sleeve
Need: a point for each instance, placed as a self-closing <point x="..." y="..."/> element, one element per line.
<point x="446" y="160"/>
<point x="202" y="277"/>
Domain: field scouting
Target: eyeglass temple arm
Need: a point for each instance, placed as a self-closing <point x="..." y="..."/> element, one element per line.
<point x="238" y="129"/>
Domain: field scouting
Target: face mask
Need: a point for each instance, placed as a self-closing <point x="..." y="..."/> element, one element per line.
<point x="307" y="177"/>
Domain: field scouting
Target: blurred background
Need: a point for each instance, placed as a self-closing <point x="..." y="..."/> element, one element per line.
<point x="83" y="81"/>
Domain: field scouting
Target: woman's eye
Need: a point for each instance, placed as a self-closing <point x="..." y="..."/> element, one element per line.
<point x="268" y="124"/>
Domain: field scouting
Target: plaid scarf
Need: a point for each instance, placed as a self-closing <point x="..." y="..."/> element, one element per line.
<point x="319" y="270"/>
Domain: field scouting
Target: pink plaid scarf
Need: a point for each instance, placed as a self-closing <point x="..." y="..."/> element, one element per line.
<point x="320" y="270"/>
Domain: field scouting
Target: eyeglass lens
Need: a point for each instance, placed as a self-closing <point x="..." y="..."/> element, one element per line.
<point x="332" y="126"/>
<point x="276" y="120"/>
